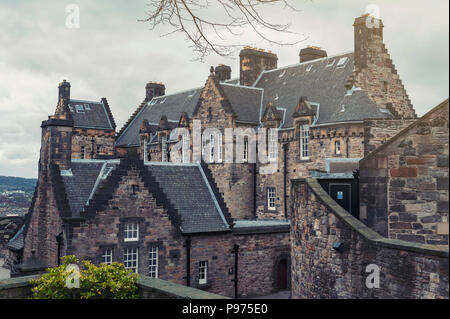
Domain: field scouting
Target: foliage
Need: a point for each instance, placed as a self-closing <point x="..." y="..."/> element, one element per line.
<point x="102" y="282"/>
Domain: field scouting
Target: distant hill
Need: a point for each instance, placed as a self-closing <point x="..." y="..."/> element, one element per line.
<point x="10" y="183"/>
<point x="15" y="195"/>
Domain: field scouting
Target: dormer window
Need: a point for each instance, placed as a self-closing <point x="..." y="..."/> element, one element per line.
<point x="131" y="232"/>
<point x="304" y="142"/>
<point x="185" y="148"/>
<point x="245" y="150"/>
<point x="337" y="147"/>
<point x="273" y="144"/>
<point x="164" y="148"/>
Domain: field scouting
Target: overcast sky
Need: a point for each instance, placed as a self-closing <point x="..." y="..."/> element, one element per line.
<point x="113" y="55"/>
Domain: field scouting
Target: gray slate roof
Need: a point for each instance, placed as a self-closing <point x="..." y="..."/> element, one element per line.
<point x="184" y="185"/>
<point x="88" y="114"/>
<point x="321" y="83"/>
<point x="16" y="243"/>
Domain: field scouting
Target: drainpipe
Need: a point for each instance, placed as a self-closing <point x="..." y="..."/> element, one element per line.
<point x="356" y="177"/>
<point x="188" y="262"/>
<point x="285" y="149"/>
<point x="59" y="242"/>
<point x="254" y="190"/>
<point x="235" y="280"/>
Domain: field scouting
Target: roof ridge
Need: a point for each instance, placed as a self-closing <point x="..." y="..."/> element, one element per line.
<point x="307" y="62"/>
<point x="131" y="118"/>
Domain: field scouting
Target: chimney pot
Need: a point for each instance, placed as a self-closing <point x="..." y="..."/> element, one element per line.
<point x="223" y="72"/>
<point x="312" y="53"/>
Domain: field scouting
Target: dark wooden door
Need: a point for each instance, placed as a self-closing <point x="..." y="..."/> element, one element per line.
<point x="282" y="275"/>
<point x="342" y="193"/>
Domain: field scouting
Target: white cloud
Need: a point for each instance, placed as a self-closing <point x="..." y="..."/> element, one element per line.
<point x="112" y="55"/>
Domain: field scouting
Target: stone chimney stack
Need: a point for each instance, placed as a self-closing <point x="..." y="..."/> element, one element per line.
<point x="64" y="90"/>
<point x="253" y="62"/>
<point x="312" y="53"/>
<point x="154" y="89"/>
<point x="368" y="36"/>
<point x="223" y="72"/>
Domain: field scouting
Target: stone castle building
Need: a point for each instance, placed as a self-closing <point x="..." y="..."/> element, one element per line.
<point x="166" y="206"/>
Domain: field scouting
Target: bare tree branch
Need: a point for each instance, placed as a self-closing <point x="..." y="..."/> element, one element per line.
<point x="209" y="35"/>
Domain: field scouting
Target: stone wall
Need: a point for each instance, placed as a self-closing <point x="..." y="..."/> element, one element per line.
<point x="378" y="132"/>
<point x="149" y="288"/>
<point x="404" y="183"/>
<point x="91" y="139"/>
<point x="331" y="250"/>
<point x="259" y="253"/>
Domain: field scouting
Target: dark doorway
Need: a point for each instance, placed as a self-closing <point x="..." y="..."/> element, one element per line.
<point x="344" y="192"/>
<point x="282" y="275"/>
<point x="341" y="193"/>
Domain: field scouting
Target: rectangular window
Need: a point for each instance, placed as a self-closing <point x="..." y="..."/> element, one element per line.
<point x="79" y="108"/>
<point x="107" y="256"/>
<point x="204" y="146"/>
<point x="99" y="150"/>
<point x="219" y="148"/>
<point x="245" y="150"/>
<point x="153" y="262"/>
<point x="164" y="148"/>
<point x="211" y="148"/>
<point x="130" y="259"/>
<point x="304" y="142"/>
<point x="131" y="232"/>
<point x="273" y="144"/>
<point x="271" y="198"/>
<point x="203" y="272"/>
<point x="185" y="149"/>
<point x="337" y="146"/>
<point x="83" y="152"/>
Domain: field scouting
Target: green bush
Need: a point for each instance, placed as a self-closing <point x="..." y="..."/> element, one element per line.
<point x="102" y="282"/>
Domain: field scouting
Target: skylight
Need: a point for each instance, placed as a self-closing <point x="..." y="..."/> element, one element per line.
<point x="342" y="62"/>
<point x="87" y="107"/>
<point x="309" y="68"/>
<point x="330" y="63"/>
<point x="282" y="74"/>
<point x="79" y="108"/>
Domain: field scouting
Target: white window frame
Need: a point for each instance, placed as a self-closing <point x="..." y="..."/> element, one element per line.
<point x="107" y="256"/>
<point x="130" y="256"/>
<point x="203" y="272"/>
<point x="131" y="232"/>
<point x="164" y="148"/>
<point x="153" y="260"/>
<point x="219" y="148"/>
<point x="272" y="140"/>
<point x="271" y="198"/>
<point x="245" y="150"/>
<point x="304" y="141"/>
<point x="185" y="148"/>
<point x="211" y="149"/>
<point x="337" y="147"/>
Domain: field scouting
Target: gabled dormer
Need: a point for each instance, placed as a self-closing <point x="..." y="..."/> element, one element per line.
<point x="272" y="117"/>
